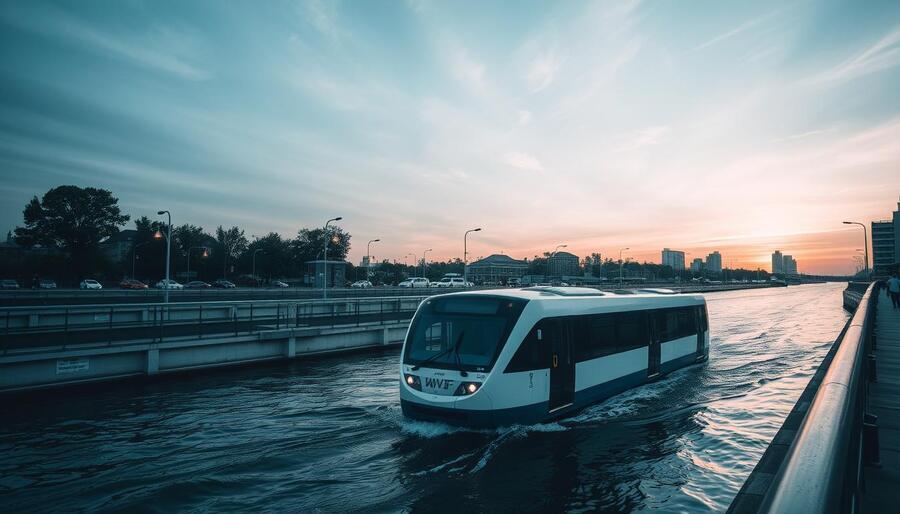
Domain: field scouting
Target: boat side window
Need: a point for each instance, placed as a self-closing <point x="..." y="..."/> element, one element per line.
<point x="671" y="324"/>
<point x="534" y="352"/>
<point x="704" y="322"/>
<point x="595" y="336"/>
<point x="632" y="330"/>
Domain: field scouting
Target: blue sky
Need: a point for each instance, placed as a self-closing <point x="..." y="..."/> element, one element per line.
<point x="742" y="127"/>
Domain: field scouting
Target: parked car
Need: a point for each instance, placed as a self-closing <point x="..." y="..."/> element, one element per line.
<point x="514" y="282"/>
<point x="361" y="284"/>
<point x="130" y="283"/>
<point x="197" y="284"/>
<point x="90" y="283"/>
<point x="170" y="284"/>
<point x="278" y="283"/>
<point x="415" y="282"/>
<point x="451" y="282"/>
<point x="47" y="283"/>
<point x="223" y="284"/>
<point x="9" y="284"/>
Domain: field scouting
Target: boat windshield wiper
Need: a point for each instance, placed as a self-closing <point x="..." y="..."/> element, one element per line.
<point x="456" y="347"/>
<point x="441" y="354"/>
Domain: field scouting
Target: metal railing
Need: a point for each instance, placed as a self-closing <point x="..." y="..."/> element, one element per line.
<point x="823" y="468"/>
<point x="65" y="326"/>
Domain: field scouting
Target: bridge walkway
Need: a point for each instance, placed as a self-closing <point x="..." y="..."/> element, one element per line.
<point x="882" y="487"/>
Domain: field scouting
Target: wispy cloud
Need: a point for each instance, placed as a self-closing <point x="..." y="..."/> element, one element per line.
<point x="523" y="161"/>
<point x="727" y="35"/>
<point x="543" y="70"/>
<point x="642" y="138"/>
<point x="884" y="54"/>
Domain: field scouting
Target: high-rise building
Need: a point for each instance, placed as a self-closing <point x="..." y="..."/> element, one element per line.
<point x="673" y="258"/>
<point x="714" y="262"/>
<point x="777" y="263"/>
<point x="789" y="265"/>
<point x="697" y="265"/>
<point x="886" y="245"/>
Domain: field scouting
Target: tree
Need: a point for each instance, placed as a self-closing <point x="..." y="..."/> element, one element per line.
<point x="274" y="259"/>
<point x="74" y="219"/>
<point x="186" y="237"/>
<point x="232" y="244"/>
<point x="309" y="243"/>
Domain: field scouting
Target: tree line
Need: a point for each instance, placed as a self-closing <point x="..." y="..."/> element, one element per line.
<point x="66" y="235"/>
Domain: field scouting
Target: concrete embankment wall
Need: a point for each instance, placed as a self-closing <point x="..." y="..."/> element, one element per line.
<point x="23" y="371"/>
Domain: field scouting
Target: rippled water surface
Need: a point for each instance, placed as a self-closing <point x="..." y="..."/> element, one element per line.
<point x="328" y="434"/>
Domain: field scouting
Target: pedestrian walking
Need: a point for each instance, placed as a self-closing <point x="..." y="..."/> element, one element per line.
<point x="893" y="289"/>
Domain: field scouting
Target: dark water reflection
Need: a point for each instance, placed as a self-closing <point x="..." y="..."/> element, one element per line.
<point x="328" y="435"/>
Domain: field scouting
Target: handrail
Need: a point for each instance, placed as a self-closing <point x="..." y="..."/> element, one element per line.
<point x="822" y="469"/>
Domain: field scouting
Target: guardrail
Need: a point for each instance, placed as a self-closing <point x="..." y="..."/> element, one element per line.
<point x="822" y="470"/>
<point x="60" y="326"/>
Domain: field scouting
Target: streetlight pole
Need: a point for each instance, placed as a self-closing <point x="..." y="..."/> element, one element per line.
<point x="621" y="281"/>
<point x="254" y="265"/>
<point x="205" y="253"/>
<point x="423" y="261"/>
<point x="168" y="252"/>
<point x="133" y="250"/>
<point x="466" y="254"/>
<point x="865" y="242"/>
<point x="369" y="258"/>
<point x="325" y="260"/>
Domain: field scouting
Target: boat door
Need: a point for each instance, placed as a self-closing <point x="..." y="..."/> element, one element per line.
<point x="562" y="363"/>
<point x="653" y="360"/>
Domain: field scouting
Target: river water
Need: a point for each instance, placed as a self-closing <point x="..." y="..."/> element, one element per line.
<point x="327" y="434"/>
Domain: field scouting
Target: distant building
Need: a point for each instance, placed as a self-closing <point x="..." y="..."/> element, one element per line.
<point x="496" y="268"/>
<point x="673" y="258"/>
<point x="714" y="262"/>
<point x="886" y="245"/>
<point x="315" y="273"/>
<point x="563" y="263"/>
<point x="117" y="247"/>
<point x="777" y="263"/>
<point x="789" y="265"/>
<point x="697" y="265"/>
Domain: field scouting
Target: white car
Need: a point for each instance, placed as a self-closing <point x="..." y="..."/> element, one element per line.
<point x="361" y="284"/>
<point x="89" y="283"/>
<point x="415" y="282"/>
<point x="451" y="282"/>
<point x="278" y="283"/>
<point x="170" y="284"/>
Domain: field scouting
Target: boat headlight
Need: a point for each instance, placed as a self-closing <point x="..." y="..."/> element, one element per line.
<point x="467" y="388"/>
<point x="413" y="381"/>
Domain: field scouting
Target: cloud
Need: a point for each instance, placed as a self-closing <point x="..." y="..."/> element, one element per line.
<point x="883" y="55"/>
<point x="524" y="117"/>
<point x="727" y="35"/>
<point x="523" y="161"/>
<point x="542" y="71"/>
<point x="467" y="70"/>
<point x="646" y="137"/>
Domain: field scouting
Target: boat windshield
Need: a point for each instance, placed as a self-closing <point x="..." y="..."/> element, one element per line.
<point x="461" y="332"/>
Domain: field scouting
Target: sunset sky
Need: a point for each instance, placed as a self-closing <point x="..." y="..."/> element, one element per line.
<point x="739" y="127"/>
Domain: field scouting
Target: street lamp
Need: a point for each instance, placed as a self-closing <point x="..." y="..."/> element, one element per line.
<point x="204" y="254"/>
<point x="168" y="250"/>
<point x="621" y="281"/>
<point x="466" y="255"/>
<point x="369" y="258"/>
<point x="325" y="261"/>
<point x="406" y="260"/>
<point x="254" y="265"/>
<point x="554" y="252"/>
<point x="865" y="242"/>
<point x="133" y="250"/>
<point x="423" y="261"/>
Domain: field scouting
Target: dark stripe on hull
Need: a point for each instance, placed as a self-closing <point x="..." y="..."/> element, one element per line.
<point x="538" y="412"/>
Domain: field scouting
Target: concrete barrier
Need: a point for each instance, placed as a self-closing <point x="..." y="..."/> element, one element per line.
<point x="30" y="370"/>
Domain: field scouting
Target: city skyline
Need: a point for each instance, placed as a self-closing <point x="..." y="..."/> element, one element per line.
<point x="599" y="126"/>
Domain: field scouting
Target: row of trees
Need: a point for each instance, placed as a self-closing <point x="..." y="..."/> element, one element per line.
<point x="71" y="233"/>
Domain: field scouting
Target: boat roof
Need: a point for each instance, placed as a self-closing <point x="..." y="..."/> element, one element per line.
<point x="554" y="293"/>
